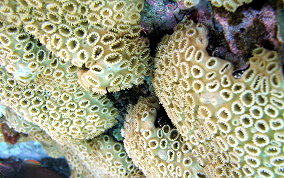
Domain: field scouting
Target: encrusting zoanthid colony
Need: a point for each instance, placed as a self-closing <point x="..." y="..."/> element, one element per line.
<point x="101" y="37"/>
<point x="229" y="5"/>
<point x="158" y="152"/>
<point x="56" y="95"/>
<point x="234" y="126"/>
<point x="102" y="156"/>
<point x="32" y="132"/>
<point x="58" y="58"/>
<point x="44" y="90"/>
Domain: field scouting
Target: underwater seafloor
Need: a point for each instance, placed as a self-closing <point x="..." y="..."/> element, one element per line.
<point x="232" y="36"/>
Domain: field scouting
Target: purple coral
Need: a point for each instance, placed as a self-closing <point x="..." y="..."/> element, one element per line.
<point x="160" y="15"/>
<point x="257" y="27"/>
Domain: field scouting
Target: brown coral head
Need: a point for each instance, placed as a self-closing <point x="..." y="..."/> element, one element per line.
<point x="10" y="135"/>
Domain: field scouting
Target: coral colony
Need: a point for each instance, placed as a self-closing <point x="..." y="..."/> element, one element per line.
<point x="60" y="62"/>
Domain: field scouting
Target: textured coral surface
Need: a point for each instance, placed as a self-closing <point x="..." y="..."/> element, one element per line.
<point x="43" y="89"/>
<point x="229" y="5"/>
<point x="234" y="126"/>
<point x="99" y="36"/>
<point x="159" y="152"/>
<point x="100" y="157"/>
<point x="70" y="75"/>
